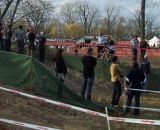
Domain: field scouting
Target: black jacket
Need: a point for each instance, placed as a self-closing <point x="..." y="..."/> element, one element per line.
<point x="135" y="79"/>
<point x="145" y="66"/>
<point x="31" y="36"/>
<point x="89" y="62"/>
<point x="60" y="65"/>
<point x="42" y="41"/>
<point x="9" y="34"/>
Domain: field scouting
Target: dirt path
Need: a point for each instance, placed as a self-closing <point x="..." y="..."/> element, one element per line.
<point x="18" y="108"/>
<point x="22" y="109"/>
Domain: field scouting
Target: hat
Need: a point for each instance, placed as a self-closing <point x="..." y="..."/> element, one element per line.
<point x="89" y="50"/>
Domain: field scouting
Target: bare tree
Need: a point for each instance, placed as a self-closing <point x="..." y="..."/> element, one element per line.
<point x="8" y="10"/>
<point x="143" y="21"/>
<point x="112" y="13"/>
<point x="36" y="12"/>
<point x="14" y="11"/>
<point x="68" y="11"/>
<point x="5" y="4"/>
<point x="135" y="23"/>
<point x="120" y="27"/>
<point x="87" y="14"/>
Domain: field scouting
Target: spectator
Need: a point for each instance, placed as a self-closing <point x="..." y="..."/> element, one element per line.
<point x="143" y="47"/>
<point x="89" y="62"/>
<point x="145" y="66"/>
<point x="9" y="34"/>
<point x="31" y="45"/>
<point x="61" y="69"/>
<point x="115" y="78"/>
<point x="42" y="41"/>
<point x="27" y="34"/>
<point x="134" y="46"/>
<point x="1" y="36"/>
<point x="135" y="80"/>
<point x="101" y="39"/>
<point x="20" y="35"/>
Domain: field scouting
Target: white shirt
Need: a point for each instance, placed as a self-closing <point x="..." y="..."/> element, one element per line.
<point x="101" y="40"/>
<point x="134" y="43"/>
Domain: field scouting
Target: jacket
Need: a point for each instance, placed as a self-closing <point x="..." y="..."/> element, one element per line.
<point x="89" y="62"/>
<point x="135" y="79"/>
<point x="115" y="72"/>
<point x="60" y="65"/>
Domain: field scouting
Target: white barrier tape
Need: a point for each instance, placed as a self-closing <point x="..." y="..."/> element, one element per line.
<point x="136" y="121"/>
<point x="142" y="90"/>
<point x="55" y="102"/>
<point x="36" y="127"/>
<point x="128" y="120"/>
<point x="143" y="108"/>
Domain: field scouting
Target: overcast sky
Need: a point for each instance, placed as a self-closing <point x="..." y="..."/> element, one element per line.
<point x="128" y="6"/>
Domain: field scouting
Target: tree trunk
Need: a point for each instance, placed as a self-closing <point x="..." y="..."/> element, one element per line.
<point x="6" y="9"/>
<point x="143" y="19"/>
<point x="14" y="12"/>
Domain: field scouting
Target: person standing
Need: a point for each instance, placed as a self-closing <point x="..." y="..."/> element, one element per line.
<point x="60" y="65"/>
<point x="89" y="63"/>
<point x="134" y="46"/>
<point x="134" y="80"/>
<point x="115" y="79"/>
<point x="143" y="47"/>
<point x="145" y="66"/>
<point x="60" y="70"/>
<point x="1" y="36"/>
<point x="9" y="34"/>
<point x="20" y="35"/>
<point x="42" y="41"/>
<point x="31" y="45"/>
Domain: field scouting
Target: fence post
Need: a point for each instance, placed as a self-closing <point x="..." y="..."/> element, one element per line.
<point x="124" y="85"/>
<point x="108" y="123"/>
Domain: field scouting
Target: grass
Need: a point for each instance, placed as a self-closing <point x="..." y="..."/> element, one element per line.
<point x="147" y="100"/>
<point x="102" y="93"/>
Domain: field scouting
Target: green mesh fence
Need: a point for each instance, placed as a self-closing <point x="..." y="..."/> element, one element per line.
<point x="74" y="61"/>
<point x="26" y="73"/>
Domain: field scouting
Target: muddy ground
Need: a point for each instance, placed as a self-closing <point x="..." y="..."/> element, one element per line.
<point x="26" y="110"/>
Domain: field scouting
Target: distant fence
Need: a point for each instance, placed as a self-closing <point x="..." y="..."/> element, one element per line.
<point x="123" y="48"/>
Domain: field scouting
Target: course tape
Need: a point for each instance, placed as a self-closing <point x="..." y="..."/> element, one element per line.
<point x="36" y="127"/>
<point x="136" y="121"/>
<point x="128" y="120"/>
<point x="63" y="105"/>
<point x="143" y="108"/>
<point x="142" y="90"/>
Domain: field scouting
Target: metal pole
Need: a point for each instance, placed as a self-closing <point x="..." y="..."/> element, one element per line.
<point x="124" y="85"/>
